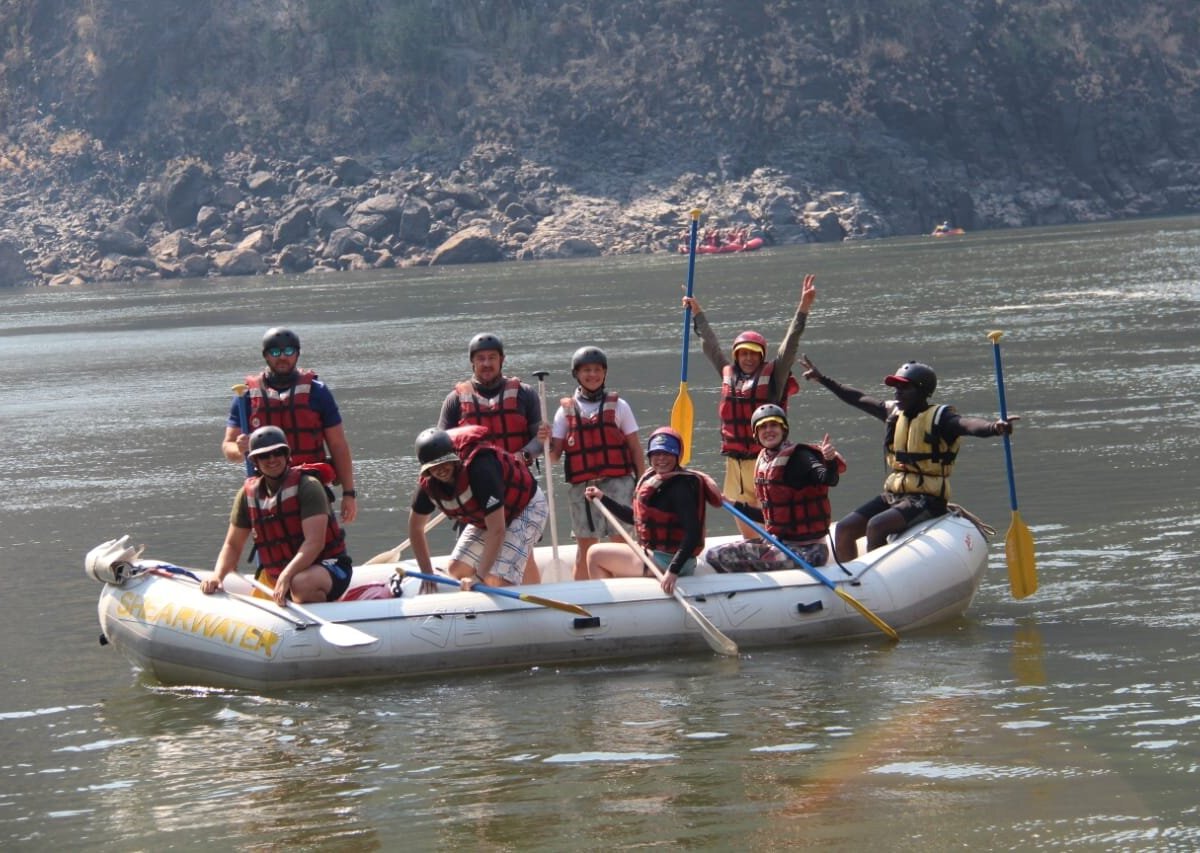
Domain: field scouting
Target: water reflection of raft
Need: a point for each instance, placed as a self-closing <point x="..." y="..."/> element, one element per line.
<point x="156" y="616"/>
<point x="725" y="248"/>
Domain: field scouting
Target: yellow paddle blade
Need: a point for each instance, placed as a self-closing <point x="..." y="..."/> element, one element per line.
<point x="871" y="617"/>
<point x="682" y="416"/>
<point x="1018" y="549"/>
<point x="565" y="606"/>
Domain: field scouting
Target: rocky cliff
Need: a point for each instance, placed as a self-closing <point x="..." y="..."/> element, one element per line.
<point x="164" y="137"/>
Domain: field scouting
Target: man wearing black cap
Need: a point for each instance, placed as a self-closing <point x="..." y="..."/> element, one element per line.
<point x="922" y="443"/>
<point x="302" y="406"/>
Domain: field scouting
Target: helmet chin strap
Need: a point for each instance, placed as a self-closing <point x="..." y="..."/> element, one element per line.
<point x="590" y="396"/>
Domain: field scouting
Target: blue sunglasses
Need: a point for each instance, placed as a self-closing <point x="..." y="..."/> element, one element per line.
<point x="275" y="352"/>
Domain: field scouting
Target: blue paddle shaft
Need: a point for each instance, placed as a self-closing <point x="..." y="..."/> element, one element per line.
<point x="687" y="310"/>
<point x="243" y="410"/>
<point x="478" y="587"/>
<point x="796" y="558"/>
<point x="1012" y="480"/>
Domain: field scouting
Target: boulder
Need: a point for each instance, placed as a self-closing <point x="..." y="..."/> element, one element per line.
<point x="208" y="219"/>
<point x="295" y="259"/>
<point x="185" y="188"/>
<point x="415" y="221"/>
<point x="345" y="241"/>
<point x="472" y="245"/>
<point x="372" y="224"/>
<point x="328" y="216"/>
<point x="258" y="241"/>
<point x="263" y="184"/>
<point x="174" y="245"/>
<point x="239" y="262"/>
<point x="350" y="172"/>
<point x="293" y="226"/>
<point x="120" y="241"/>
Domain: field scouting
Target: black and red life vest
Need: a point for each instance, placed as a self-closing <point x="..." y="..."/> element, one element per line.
<point x="594" y="447"/>
<point x="798" y="515"/>
<point x="502" y="415"/>
<point x="457" y="500"/>
<point x="739" y="399"/>
<point x="277" y="527"/>
<point x="289" y="410"/>
<point x="660" y="530"/>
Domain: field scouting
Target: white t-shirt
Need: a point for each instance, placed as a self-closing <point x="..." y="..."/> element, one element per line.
<point x="625" y="419"/>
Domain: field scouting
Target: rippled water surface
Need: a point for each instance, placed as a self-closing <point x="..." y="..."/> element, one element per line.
<point x="1067" y="720"/>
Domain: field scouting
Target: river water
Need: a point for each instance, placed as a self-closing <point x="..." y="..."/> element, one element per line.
<point x="1068" y="720"/>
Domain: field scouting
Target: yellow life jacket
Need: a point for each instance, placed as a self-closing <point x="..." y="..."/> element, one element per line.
<point x="919" y="461"/>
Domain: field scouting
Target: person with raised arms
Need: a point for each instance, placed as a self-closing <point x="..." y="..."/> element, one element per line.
<point x="596" y="435"/>
<point x="489" y="491"/>
<point x="921" y="443"/>
<point x="668" y="514"/>
<point x="302" y="406"/>
<point x="792" y="483"/>
<point x="300" y="546"/>
<point x="748" y="380"/>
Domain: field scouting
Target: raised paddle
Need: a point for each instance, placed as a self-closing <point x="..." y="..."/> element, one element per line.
<point x="243" y="407"/>
<point x="393" y="554"/>
<point x="717" y="641"/>
<point x="682" y="413"/>
<point x="500" y="591"/>
<point x="1018" y="543"/>
<point x="800" y="561"/>
<point x="334" y="633"/>
<point x="541" y="378"/>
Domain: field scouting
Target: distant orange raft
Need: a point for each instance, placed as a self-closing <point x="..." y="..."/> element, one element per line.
<point x="725" y="248"/>
<point x="947" y="232"/>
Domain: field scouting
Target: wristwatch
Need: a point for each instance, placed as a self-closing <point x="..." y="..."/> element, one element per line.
<point x="349" y="493"/>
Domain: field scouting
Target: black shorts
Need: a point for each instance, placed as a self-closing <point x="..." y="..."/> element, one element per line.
<point x="913" y="508"/>
<point x="340" y="571"/>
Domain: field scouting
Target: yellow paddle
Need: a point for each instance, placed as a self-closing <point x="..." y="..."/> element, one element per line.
<point x="1018" y="543"/>
<point x="682" y="414"/>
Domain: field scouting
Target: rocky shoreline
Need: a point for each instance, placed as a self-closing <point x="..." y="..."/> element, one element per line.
<point x="253" y="215"/>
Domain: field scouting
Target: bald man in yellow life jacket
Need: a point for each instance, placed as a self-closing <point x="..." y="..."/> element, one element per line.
<point x="921" y="444"/>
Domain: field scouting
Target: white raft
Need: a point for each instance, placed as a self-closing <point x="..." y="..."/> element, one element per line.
<point x="177" y="635"/>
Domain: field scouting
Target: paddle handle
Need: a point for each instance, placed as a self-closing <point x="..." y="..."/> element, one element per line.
<point x="691" y="280"/>
<point x="243" y="410"/>
<point x="541" y="378"/>
<point x="1012" y="480"/>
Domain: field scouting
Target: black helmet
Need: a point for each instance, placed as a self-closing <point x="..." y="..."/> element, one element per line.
<point x="915" y="373"/>
<point x="485" y="341"/>
<point x="768" y="412"/>
<point x="434" y="447"/>
<point x="265" y="439"/>
<point x="280" y="337"/>
<point x="588" y="355"/>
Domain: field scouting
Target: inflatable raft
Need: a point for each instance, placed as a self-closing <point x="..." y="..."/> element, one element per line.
<point x="154" y="613"/>
<point x="725" y="248"/>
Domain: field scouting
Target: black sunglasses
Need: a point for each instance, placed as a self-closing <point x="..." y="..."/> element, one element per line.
<point x="271" y="454"/>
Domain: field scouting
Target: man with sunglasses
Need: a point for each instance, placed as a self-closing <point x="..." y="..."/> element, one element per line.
<point x="300" y="546"/>
<point x="294" y="400"/>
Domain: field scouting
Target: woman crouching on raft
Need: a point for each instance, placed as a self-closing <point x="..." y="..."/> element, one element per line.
<point x="668" y="511"/>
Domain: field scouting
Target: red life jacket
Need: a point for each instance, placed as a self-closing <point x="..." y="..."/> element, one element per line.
<point x="660" y="530"/>
<point x="739" y="399"/>
<point x="290" y="411"/>
<point x="502" y="415"/>
<point x="594" y="446"/>
<point x="276" y="524"/>
<point x="458" y="501"/>
<point x="799" y="515"/>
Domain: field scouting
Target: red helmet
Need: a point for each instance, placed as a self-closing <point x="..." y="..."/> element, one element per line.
<point x="751" y="341"/>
